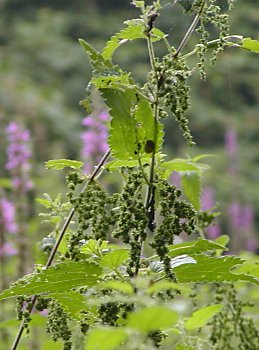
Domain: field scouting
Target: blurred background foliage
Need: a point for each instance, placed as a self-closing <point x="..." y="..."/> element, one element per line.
<point x="44" y="73"/>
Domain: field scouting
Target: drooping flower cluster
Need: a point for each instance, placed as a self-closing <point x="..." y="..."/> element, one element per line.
<point x="94" y="139"/>
<point x="18" y="154"/>
<point x="7" y="225"/>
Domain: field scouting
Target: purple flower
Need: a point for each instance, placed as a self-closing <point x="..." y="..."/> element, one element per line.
<point x="7" y="250"/>
<point x="18" y="154"/>
<point x="7" y="216"/>
<point x="231" y="144"/>
<point x="235" y="215"/>
<point x="208" y="202"/>
<point x="94" y="139"/>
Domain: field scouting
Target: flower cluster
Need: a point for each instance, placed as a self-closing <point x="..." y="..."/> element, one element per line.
<point x="94" y="139"/>
<point x="18" y="154"/>
<point x="7" y="225"/>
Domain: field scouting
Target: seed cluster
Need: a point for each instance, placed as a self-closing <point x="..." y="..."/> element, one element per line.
<point x="57" y="325"/>
<point x="178" y="216"/>
<point x="132" y="217"/>
<point x="231" y="328"/>
<point x="95" y="215"/>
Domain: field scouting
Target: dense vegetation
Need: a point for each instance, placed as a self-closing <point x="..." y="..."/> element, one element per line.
<point x="127" y="240"/>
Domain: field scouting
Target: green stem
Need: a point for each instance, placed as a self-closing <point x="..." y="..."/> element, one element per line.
<point x="56" y="246"/>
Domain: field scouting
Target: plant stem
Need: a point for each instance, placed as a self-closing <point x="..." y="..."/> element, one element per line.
<point x="190" y="30"/>
<point x="55" y="247"/>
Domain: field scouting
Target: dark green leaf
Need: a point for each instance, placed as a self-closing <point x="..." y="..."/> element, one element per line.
<point x="57" y="279"/>
<point x="73" y="303"/>
<point x="212" y="269"/>
<point x="194" y="247"/>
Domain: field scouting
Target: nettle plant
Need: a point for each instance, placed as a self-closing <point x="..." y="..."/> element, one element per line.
<point x="119" y="277"/>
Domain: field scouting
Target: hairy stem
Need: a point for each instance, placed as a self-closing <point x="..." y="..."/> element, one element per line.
<point x="58" y="241"/>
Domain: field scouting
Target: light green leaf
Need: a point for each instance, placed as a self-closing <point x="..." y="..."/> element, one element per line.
<point x="222" y="240"/>
<point x="37" y="320"/>
<point x="119" y="82"/>
<point x="97" y="60"/>
<point x="179" y="165"/>
<point x="6" y="183"/>
<point x="183" y="347"/>
<point x="250" y="44"/>
<point x="123" y="287"/>
<point x="134" y="30"/>
<point x="59" y="164"/>
<point x="116" y="164"/>
<point x="105" y="338"/>
<point x="191" y="183"/>
<point x="56" y="279"/>
<point x="152" y="318"/>
<point x="200" y="317"/>
<point x="45" y="202"/>
<point x="114" y="259"/>
<point x="212" y="269"/>
<point x="73" y="303"/>
<point x="94" y="246"/>
<point x="163" y="285"/>
<point x="194" y="247"/>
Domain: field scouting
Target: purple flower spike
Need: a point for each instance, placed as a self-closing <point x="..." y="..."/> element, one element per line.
<point x="7" y="250"/>
<point x="7" y="216"/>
<point x="18" y="154"/>
<point x="94" y="139"/>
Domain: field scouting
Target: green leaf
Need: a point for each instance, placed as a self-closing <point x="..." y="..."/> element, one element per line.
<point x="200" y="317"/>
<point x="114" y="259"/>
<point x="222" y="240"/>
<point x="97" y="60"/>
<point x="191" y="183"/>
<point x="194" y="247"/>
<point x="152" y="318"/>
<point x="45" y="202"/>
<point x="158" y="266"/>
<point x="212" y="269"/>
<point x="59" y="164"/>
<point x="179" y="165"/>
<point x="134" y="30"/>
<point x="250" y="44"/>
<point x="93" y="246"/>
<point x="73" y="303"/>
<point x="105" y="338"/>
<point x="119" y="286"/>
<point x="37" y="320"/>
<point x="56" y="279"/>
<point x="163" y="285"/>
<point x="183" y="347"/>
<point x="119" y="82"/>
<point x="132" y="124"/>
<point x="116" y="164"/>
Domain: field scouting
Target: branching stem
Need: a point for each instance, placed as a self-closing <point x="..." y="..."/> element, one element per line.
<point x="56" y="246"/>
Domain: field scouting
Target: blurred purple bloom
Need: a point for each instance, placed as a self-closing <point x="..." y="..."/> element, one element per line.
<point x="7" y="216"/>
<point x="18" y="154"/>
<point x="251" y="245"/>
<point x="207" y="203"/>
<point x="7" y="250"/>
<point x="94" y="139"/>
<point x="231" y="146"/>
<point x="235" y="214"/>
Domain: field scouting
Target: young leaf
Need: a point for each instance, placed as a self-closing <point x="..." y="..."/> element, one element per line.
<point x="200" y="317"/>
<point x="191" y="183"/>
<point x="212" y="269"/>
<point x="56" y="279"/>
<point x="183" y="347"/>
<point x="194" y="247"/>
<point x="105" y="338"/>
<point x="134" y="30"/>
<point x="250" y="45"/>
<point x="59" y="164"/>
<point x="97" y="60"/>
<point x="152" y="318"/>
<point x="114" y="259"/>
